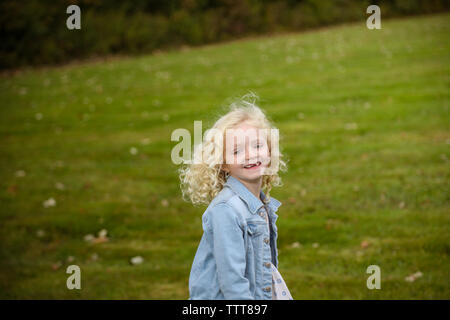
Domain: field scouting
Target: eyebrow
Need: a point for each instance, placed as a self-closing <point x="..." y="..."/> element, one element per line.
<point x="256" y="139"/>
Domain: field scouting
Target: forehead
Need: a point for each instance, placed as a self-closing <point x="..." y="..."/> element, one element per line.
<point x="245" y="131"/>
<point x="245" y="126"/>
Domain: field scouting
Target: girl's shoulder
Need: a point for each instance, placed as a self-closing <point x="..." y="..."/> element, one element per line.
<point x="226" y="204"/>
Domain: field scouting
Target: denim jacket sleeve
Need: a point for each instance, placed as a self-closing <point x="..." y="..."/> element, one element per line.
<point x="229" y="252"/>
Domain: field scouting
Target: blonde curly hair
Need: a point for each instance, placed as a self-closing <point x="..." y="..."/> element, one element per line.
<point x="202" y="180"/>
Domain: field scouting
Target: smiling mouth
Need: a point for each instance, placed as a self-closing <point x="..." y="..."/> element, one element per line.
<point x="253" y="165"/>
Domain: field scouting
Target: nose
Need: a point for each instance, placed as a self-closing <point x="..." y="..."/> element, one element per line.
<point x="250" y="153"/>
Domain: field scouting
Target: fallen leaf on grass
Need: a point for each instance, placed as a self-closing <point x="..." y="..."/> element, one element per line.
<point x="59" y="186"/>
<point x="56" y="265"/>
<point x="164" y="203"/>
<point x="365" y="244"/>
<point x="100" y="239"/>
<point x="133" y="151"/>
<point x="12" y="189"/>
<point x="88" y="238"/>
<point x="137" y="260"/>
<point x="414" y="276"/>
<point x="330" y="224"/>
<point x="40" y="233"/>
<point x="87" y="185"/>
<point x="296" y="245"/>
<point x="49" y="203"/>
<point x="20" y="173"/>
<point x="102" y="233"/>
<point x="94" y="257"/>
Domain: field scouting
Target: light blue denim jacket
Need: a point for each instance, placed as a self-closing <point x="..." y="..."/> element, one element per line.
<point x="233" y="258"/>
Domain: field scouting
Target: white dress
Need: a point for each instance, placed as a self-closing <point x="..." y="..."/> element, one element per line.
<point x="279" y="288"/>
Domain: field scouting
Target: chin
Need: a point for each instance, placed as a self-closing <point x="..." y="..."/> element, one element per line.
<point x="252" y="176"/>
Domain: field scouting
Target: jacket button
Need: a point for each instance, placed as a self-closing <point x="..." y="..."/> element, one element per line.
<point x="267" y="289"/>
<point x="267" y="264"/>
<point x="261" y="214"/>
<point x="266" y="240"/>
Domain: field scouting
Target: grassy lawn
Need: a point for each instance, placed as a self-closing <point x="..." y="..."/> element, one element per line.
<point x="364" y="121"/>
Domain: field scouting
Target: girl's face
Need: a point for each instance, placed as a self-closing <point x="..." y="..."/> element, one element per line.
<point x="246" y="152"/>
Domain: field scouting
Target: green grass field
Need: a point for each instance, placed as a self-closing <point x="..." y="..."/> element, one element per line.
<point x="364" y="121"/>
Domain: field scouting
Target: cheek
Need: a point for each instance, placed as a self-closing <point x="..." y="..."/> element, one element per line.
<point x="237" y="167"/>
<point x="264" y="152"/>
<point x="235" y="159"/>
<point x="234" y="168"/>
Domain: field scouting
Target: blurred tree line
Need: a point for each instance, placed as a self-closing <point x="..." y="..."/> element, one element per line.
<point x="34" y="32"/>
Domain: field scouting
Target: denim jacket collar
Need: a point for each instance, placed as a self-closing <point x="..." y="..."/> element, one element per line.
<point x="249" y="198"/>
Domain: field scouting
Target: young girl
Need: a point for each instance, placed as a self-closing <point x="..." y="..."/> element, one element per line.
<point x="237" y="256"/>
